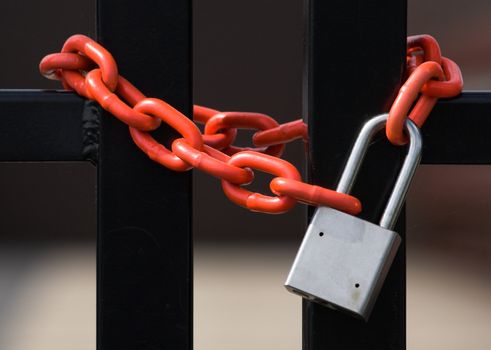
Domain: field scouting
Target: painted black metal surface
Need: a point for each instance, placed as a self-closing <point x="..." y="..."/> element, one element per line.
<point x="458" y="131"/>
<point x="144" y="242"/>
<point x="355" y="57"/>
<point x="47" y="126"/>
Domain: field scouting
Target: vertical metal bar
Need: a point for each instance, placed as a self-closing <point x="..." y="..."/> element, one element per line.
<point x="144" y="242"/>
<point x="355" y="56"/>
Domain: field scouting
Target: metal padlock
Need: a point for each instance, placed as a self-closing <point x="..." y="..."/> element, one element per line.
<point x="343" y="260"/>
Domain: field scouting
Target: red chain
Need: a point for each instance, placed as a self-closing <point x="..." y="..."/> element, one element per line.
<point x="430" y="77"/>
<point x="86" y="67"/>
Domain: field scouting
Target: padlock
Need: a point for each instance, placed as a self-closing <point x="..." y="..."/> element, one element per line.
<point x="343" y="260"/>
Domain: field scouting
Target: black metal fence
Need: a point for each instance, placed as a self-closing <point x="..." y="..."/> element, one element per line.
<point x="355" y="56"/>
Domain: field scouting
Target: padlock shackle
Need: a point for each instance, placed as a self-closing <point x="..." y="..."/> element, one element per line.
<point x="411" y="162"/>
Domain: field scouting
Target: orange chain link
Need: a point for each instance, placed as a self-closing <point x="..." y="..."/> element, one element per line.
<point x="90" y="70"/>
<point x="430" y="77"/>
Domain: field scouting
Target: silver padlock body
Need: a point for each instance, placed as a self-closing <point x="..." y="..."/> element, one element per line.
<point x="342" y="262"/>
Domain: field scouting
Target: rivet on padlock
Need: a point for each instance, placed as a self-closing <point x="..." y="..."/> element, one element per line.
<point x="343" y="260"/>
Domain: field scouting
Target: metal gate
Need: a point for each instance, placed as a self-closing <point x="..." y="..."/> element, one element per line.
<point x="144" y="282"/>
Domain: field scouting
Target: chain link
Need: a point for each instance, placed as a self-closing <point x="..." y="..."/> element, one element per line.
<point x="244" y="120"/>
<point x="430" y="77"/>
<point x="89" y="69"/>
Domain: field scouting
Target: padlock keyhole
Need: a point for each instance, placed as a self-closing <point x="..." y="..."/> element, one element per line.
<point x="321" y="234"/>
<point x="357" y="285"/>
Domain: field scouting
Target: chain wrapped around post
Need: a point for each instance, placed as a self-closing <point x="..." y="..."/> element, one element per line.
<point x="89" y="69"/>
<point x="430" y="77"/>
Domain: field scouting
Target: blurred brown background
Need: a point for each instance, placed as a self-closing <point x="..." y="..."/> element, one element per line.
<point x="247" y="56"/>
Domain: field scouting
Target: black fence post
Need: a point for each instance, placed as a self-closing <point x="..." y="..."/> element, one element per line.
<point x="355" y="57"/>
<point x="144" y="242"/>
